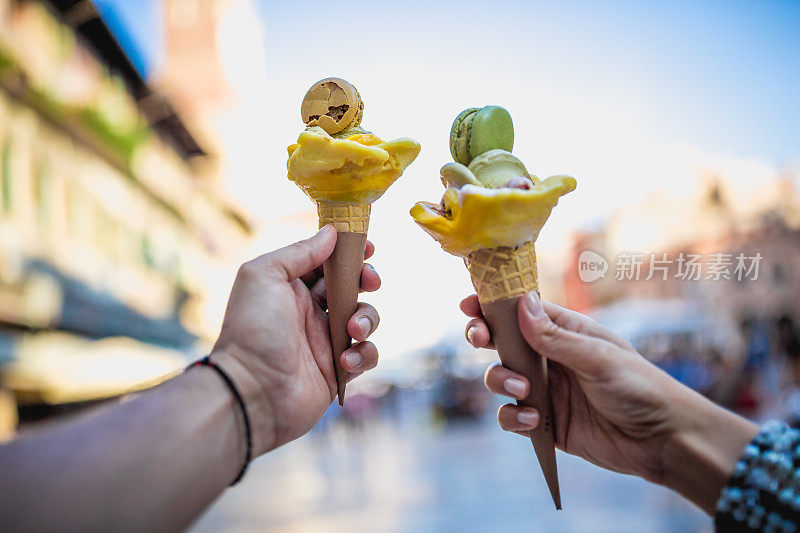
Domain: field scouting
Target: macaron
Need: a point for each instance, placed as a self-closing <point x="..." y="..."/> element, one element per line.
<point x="478" y="130"/>
<point x="494" y="169"/>
<point x="332" y="104"/>
<point x="457" y="175"/>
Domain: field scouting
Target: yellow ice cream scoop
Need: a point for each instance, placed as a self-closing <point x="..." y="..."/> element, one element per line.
<point x="358" y="169"/>
<point x="471" y="217"/>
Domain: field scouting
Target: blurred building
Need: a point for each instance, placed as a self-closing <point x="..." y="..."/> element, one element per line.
<point x="193" y="73"/>
<point x="717" y="224"/>
<point x="706" y="287"/>
<point x="112" y="214"/>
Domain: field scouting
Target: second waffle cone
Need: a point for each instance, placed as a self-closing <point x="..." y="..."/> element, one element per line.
<point x="501" y="276"/>
<point x="503" y="272"/>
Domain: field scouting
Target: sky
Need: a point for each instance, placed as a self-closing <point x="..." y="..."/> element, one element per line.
<point x="634" y="99"/>
<point x="721" y="74"/>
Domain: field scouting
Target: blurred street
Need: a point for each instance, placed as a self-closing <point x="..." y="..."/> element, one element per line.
<point x="414" y="476"/>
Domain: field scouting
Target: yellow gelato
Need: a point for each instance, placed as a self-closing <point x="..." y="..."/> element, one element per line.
<point x="355" y="170"/>
<point x="472" y="217"/>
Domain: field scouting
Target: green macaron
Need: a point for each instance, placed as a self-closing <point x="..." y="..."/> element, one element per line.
<point x="457" y="175"/>
<point x="476" y="131"/>
<point x="494" y="168"/>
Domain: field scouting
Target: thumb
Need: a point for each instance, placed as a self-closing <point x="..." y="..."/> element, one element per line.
<point x="292" y="261"/>
<point x="584" y="354"/>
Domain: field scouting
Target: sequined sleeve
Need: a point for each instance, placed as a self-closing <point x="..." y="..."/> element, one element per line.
<point x="763" y="493"/>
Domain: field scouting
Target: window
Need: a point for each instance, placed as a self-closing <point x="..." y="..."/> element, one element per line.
<point x="70" y="209"/>
<point x="41" y="194"/>
<point x="147" y="251"/>
<point x="106" y="229"/>
<point x="6" y="189"/>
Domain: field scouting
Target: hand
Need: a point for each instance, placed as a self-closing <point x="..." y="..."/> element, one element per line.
<point x="276" y="344"/>
<point x="610" y="405"/>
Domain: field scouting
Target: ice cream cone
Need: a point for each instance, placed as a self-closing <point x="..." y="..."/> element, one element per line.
<point x="346" y="218"/>
<point x="503" y="272"/>
<point x="343" y="168"/>
<point x="343" y="274"/>
<point x="501" y="276"/>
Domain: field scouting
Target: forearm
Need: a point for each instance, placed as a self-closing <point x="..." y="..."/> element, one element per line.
<point x="699" y="457"/>
<point x="152" y="461"/>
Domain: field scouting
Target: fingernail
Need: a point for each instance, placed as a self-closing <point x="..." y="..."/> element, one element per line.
<point x="534" y="305"/>
<point x="471" y="334"/>
<point x="353" y="359"/>
<point x="365" y="325"/>
<point x="515" y="387"/>
<point x="528" y="418"/>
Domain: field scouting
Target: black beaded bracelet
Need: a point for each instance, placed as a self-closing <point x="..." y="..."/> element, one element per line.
<point x="205" y="361"/>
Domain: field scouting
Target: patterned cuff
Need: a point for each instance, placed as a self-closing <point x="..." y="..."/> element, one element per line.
<point x="763" y="493"/>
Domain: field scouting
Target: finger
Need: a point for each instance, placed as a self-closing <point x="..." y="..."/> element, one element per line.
<point x="471" y="307"/>
<point x="363" y="322"/>
<point x="318" y="293"/>
<point x="353" y="375"/>
<point x="517" y="418"/>
<point x="585" y="354"/>
<point x="370" y="284"/>
<point x="579" y="323"/>
<point x="293" y="261"/>
<point x="370" y="280"/>
<point x="501" y="380"/>
<point x="359" y="358"/>
<point x="311" y="277"/>
<point x="478" y="334"/>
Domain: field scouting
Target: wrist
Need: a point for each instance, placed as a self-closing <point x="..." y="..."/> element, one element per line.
<point x="259" y="410"/>
<point x="202" y="390"/>
<point x="700" y="453"/>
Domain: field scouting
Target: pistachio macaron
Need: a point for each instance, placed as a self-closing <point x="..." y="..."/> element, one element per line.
<point x="494" y="169"/>
<point x="457" y="175"/>
<point x="478" y="130"/>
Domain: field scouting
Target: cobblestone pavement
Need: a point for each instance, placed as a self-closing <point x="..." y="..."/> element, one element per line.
<point x="416" y="477"/>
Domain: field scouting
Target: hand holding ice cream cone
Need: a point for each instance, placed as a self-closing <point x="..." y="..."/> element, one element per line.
<point x="491" y="215"/>
<point x="343" y="168"/>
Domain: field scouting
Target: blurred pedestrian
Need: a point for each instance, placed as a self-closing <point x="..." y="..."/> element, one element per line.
<point x="755" y="391"/>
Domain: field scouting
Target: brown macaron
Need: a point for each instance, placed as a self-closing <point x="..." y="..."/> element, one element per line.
<point x="332" y="104"/>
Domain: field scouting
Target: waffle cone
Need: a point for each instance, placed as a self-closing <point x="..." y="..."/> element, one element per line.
<point x="352" y="218"/>
<point x="503" y="272"/>
<point x="343" y="275"/>
<point x="501" y="277"/>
